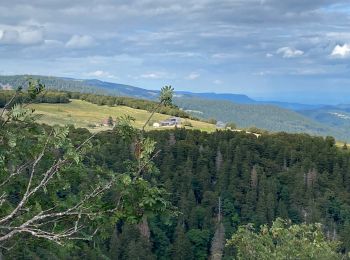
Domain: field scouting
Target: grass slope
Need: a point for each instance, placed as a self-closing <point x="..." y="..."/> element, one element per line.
<point x="81" y="114"/>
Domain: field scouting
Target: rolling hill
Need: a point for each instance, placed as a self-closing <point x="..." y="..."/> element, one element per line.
<point x="85" y="114"/>
<point x="334" y="116"/>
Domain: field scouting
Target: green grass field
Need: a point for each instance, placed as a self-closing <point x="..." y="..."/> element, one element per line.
<point x="82" y="114"/>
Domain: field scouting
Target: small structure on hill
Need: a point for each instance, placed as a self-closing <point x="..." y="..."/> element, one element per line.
<point x="220" y="125"/>
<point x="171" y="121"/>
<point x="108" y="122"/>
<point x="6" y="86"/>
<point x="156" y="124"/>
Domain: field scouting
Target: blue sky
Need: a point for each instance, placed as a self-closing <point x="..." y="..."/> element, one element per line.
<point x="290" y="50"/>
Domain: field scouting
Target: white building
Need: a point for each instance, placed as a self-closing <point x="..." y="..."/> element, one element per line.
<point x="171" y="121"/>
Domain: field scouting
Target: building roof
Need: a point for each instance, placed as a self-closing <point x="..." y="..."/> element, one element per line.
<point x="220" y="124"/>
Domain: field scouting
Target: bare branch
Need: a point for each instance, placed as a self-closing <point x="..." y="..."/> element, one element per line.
<point x="150" y="117"/>
<point x="86" y="141"/>
<point x="28" y="193"/>
<point x="33" y="225"/>
<point x="2" y="198"/>
<point x="8" y="104"/>
<point x="147" y="163"/>
<point x="16" y="172"/>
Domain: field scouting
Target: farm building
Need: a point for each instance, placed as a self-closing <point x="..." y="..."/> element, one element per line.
<point x="220" y="125"/>
<point x="171" y="121"/>
<point x="107" y="122"/>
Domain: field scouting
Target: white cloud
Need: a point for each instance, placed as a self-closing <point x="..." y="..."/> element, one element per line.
<point x="80" y="41"/>
<point x="153" y="75"/>
<point x="157" y="75"/>
<point x="101" y="74"/>
<point x="341" y="51"/>
<point x="262" y="73"/>
<point x="269" y="55"/>
<point x="217" y="82"/>
<point x="193" y="76"/>
<point x="289" y="52"/>
<point x="20" y="35"/>
<point x="225" y="56"/>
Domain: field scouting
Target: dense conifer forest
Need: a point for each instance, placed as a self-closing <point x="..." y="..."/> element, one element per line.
<point x="297" y="177"/>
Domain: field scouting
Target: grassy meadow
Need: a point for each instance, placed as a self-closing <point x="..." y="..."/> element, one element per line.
<point x="84" y="114"/>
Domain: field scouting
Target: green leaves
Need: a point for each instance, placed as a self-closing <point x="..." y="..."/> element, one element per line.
<point x="44" y="172"/>
<point x="124" y="128"/>
<point x="166" y="95"/>
<point x="148" y="146"/>
<point x="60" y="132"/>
<point x="12" y="140"/>
<point x="19" y="113"/>
<point x="283" y="239"/>
<point x="35" y="88"/>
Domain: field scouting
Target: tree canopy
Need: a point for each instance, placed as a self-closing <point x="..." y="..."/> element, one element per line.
<point x="284" y="240"/>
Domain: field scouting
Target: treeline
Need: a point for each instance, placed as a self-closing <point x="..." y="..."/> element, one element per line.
<point x="247" y="179"/>
<point x="129" y="102"/>
<point x="48" y="97"/>
<point x="52" y="83"/>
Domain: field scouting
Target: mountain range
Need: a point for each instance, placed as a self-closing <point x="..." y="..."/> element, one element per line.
<point x="238" y="108"/>
<point x="244" y="99"/>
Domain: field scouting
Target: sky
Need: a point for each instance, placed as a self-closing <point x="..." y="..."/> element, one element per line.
<point x="287" y="50"/>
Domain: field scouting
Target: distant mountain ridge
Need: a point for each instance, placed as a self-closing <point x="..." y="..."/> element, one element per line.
<point x="98" y="86"/>
<point x="236" y="98"/>
<point x="238" y="108"/>
<point x="244" y="99"/>
<point x="268" y="117"/>
<point x="82" y="85"/>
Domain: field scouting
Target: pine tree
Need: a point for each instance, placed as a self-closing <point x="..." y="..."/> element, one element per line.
<point x="182" y="248"/>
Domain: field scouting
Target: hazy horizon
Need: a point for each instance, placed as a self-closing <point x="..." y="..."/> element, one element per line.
<point x="277" y="98"/>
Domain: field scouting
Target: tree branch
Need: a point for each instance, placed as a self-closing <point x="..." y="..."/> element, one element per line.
<point x="8" y="104"/>
<point x="150" y="117"/>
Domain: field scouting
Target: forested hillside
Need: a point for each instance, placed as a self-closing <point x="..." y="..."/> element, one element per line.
<point x="267" y="117"/>
<point x="80" y="85"/>
<point x="334" y="116"/>
<point x="298" y="177"/>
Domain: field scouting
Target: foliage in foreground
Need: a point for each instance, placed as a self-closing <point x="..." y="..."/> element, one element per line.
<point x="297" y="177"/>
<point x="283" y="240"/>
<point x="47" y="193"/>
